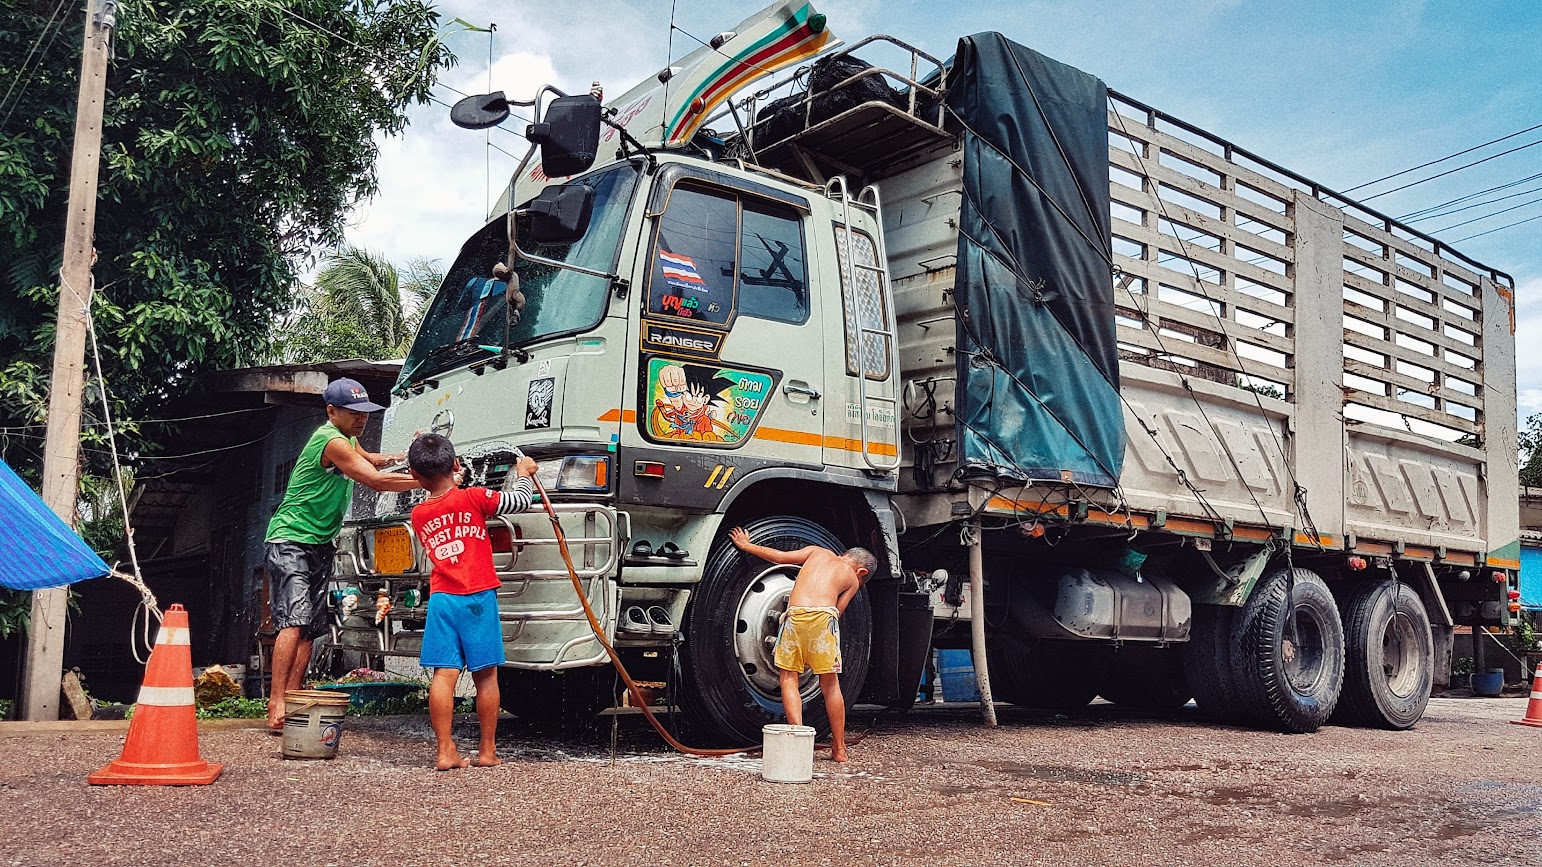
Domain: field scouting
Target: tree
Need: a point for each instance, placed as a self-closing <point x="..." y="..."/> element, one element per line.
<point x="360" y="307"/>
<point x="237" y="135"/>
<point x="1531" y="452"/>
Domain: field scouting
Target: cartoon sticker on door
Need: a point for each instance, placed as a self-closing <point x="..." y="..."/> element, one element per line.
<point x="703" y="403"/>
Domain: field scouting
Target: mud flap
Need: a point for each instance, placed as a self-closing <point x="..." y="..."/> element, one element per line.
<point x="902" y="641"/>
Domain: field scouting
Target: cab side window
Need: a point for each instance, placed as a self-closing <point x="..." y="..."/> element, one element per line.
<point x="696" y="258"/>
<point x="773" y="282"/>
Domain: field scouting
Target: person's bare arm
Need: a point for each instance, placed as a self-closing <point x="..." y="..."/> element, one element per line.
<point x="379" y="462"/>
<point x="741" y="540"/>
<point x="847" y="595"/>
<point x="342" y="454"/>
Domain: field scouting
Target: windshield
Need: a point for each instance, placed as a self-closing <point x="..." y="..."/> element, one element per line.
<point x="466" y="319"/>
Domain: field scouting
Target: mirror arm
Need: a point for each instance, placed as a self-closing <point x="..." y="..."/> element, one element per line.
<point x="627" y="139"/>
<point x="566" y="266"/>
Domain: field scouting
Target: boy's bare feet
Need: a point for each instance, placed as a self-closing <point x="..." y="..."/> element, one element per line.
<point x="452" y="760"/>
<point x="487" y="760"/>
<point x="276" y="714"/>
<point x="838" y="754"/>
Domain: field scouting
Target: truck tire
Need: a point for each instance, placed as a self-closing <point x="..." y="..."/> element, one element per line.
<point x="1046" y="674"/>
<point x="730" y="685"/>
<point x="1290" y="685"/>
<point x="1207" y="661"/>
<point x="1147" y="678"/>
<point x="1390" y="663"/>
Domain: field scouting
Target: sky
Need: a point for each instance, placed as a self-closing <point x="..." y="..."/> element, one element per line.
<point x="1342" y="93"/>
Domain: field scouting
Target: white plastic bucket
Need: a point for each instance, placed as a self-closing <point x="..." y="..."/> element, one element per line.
<point x="787" y="754"/>
<point x="313" y="723"/>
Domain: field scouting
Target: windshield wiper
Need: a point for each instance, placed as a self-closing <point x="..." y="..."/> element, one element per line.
<point x="456" y="350"/>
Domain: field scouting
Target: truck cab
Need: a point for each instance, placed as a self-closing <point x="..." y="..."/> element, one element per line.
<point x="744" y="340"/>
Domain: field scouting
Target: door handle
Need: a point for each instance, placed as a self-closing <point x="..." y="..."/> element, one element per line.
<point x="808" y="391"/>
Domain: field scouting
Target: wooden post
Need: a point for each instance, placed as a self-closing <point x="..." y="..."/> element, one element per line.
<point x="982" y="675"/>
<point x="61" y="448"/>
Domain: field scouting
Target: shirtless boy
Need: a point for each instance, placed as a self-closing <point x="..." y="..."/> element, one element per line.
<point x="811" y="635"/>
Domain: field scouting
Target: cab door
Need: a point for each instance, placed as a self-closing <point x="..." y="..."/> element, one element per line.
<point x="731" y="363"/>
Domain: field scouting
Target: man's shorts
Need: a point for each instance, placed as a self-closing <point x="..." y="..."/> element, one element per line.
<point x="462" y="632"/>
<point x="810" y="638"/>
<point x="300" y="574"/>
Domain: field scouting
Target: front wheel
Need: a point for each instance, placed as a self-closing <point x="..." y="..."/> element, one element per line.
<point x="732" y="688"/>
<point x="1391" y="664"/>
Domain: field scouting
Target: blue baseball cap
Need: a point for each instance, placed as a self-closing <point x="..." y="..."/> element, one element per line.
<point x="349" y="394"/>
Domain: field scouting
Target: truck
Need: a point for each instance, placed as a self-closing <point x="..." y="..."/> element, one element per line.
<point x="1128" y="409"/>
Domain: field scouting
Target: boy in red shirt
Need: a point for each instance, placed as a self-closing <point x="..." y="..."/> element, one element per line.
<point x="462" y="629"/>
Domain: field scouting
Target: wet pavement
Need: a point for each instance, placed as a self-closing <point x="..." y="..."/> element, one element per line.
<point x="1101" y="786"/>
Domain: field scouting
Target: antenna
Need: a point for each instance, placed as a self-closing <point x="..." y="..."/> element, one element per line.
<point x="669" y="57"/>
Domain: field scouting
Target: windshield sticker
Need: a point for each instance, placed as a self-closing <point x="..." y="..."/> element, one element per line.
<point x="691" y="297"/>
<point x="483" y="291"/>
<point x="704" y="403"/>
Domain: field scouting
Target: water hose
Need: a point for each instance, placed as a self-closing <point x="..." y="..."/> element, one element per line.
<point x="599" y="633"/>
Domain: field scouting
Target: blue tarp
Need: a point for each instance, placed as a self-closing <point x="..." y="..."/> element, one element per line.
<point x="1531" y="576"/>
<point x="1040" y="369"/>
<point x="38" y="550"/>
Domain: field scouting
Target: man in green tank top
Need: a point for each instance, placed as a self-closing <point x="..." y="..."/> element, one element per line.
<point x="301" y="538"/>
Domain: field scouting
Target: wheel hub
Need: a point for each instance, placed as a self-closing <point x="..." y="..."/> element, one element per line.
<point x="1399" y="655"/>
<point x="1305" y="658"/>
<point x="757" y="621"/>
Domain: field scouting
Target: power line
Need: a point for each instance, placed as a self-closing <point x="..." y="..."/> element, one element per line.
<point x="1495" y="214"/>
<point x="1452" y="171"/>
<point x="1474" y="205"/>
<point x="1459" y="199"/>
<point x="22" y="75"/>
<point x="1500" y="229"/>
<point x="1444" y="158"/>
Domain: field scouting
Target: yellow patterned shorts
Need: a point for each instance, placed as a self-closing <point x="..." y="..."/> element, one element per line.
<point x="810" y="638"/>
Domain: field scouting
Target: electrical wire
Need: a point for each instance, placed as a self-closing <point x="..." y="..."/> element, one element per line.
<point x="1443" y="159"/>
<point x="1499" y="229"/>
<point x="1453" y="171"/>
<point x="22" y="76"/>
<point x="1524" y="204"/>
<point x="1436" y="213"/>
<point x="1459" y="199"/>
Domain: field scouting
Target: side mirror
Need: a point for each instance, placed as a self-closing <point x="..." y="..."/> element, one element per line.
<point x="569" y="135"/>
<point x="560" y="214"/>
<point x="481" y="111"/>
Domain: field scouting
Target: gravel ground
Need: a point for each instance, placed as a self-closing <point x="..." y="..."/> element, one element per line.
<point x="1103" y="786"/>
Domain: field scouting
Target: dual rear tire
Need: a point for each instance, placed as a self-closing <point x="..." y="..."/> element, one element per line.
<point x="1292" y="658"/>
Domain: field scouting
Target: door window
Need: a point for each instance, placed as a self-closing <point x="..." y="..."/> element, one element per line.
<point x="772" y="281"/>
<point x="696" y="258"/>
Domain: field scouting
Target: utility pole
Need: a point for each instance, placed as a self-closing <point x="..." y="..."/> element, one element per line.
<point x="61" y="449"/>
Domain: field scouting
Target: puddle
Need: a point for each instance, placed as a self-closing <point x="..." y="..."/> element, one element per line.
<point x="1063" y="774"/>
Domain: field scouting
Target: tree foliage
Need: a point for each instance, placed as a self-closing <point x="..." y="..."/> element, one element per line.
<point x="361" y="306"/>
<point x="237" y="135"/>
<point x="1531" y="451"/>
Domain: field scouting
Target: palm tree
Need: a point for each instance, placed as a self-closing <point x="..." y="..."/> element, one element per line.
<point x="356" y="308"/>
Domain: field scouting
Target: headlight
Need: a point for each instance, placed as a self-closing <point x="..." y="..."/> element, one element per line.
<point x="586" y="473"/>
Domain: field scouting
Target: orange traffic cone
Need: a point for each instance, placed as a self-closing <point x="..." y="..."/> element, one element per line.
<point x="162" y="744"/>
<point x="1534" y="707"/>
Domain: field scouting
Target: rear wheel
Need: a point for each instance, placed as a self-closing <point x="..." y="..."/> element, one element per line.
<point x="1149" y="678"/>
<point x="1390" y="664"/>
<point x="1206" y="661"/>
<point x="1056" y="675"/>
<point x="731" y="685"/>
<point x="1288" y="675"/>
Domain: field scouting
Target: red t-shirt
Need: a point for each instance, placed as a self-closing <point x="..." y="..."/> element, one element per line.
<point x="452" y="529"/>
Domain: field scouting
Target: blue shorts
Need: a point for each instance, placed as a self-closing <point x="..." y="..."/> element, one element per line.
<point x="462" y="632"/>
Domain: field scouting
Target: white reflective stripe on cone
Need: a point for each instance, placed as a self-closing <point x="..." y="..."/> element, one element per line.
<point x="166" y="696"/>
<point x="1536" y="694"/>
<point x="173" y="635"/>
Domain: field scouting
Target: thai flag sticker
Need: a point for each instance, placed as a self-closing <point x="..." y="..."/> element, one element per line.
<point x="680" y="270"/>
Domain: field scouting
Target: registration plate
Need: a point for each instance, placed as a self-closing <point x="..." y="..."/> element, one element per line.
<point x="393" y="550"/>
